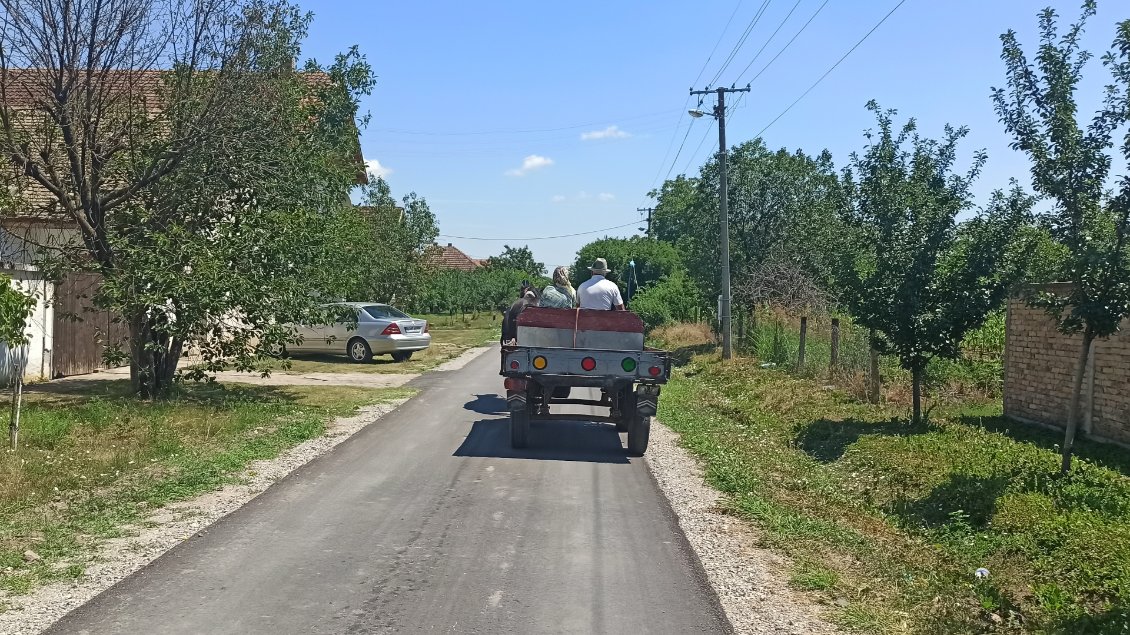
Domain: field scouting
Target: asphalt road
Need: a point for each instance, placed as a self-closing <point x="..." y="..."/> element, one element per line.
<point x="427" y="521"/>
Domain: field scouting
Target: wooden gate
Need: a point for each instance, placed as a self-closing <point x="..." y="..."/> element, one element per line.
<point x="82" y="331"/>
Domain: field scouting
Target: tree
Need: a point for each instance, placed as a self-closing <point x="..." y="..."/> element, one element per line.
<point x="398" y="236"/>
<point x="205" y="177"/>
<point x="1071" y="167"/>
<point x="15" y="308"/>
<point x="517" y="259"/>
<point x="654" y="260"/>
<point x="781" y="204"/>
<point x="919" y="279"/>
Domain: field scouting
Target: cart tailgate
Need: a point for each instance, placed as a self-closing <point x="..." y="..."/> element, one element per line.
<point x="644" y="366"/>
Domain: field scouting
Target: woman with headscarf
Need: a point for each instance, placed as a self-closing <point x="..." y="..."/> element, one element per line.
<point x="560" y="294"/>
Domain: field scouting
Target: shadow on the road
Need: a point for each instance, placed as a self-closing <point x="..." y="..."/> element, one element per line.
<point x="486" y="405"/>
<point x="549" y="441"/>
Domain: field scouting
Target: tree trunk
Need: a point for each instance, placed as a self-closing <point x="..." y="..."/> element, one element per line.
<point x="17" y="398"/>
<point x="1076" y="399"/>
<point x="916" y="392"/>
<point x="873" y="383"/>
<point x="153" y="359"/>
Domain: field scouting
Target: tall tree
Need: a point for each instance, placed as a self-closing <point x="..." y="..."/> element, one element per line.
<point x="919" y="279"/>
<point x="399" y="235"/>
<point x="654" y="260"/>
<point x="203" y="175"/>
<point x="517" y="259"/>
<point x="781" y="204"/>
<point x="1071" y="166"/>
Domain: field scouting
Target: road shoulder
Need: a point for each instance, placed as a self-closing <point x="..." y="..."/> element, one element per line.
<point x="173" y="524"/>
<point x="751" y="582"/>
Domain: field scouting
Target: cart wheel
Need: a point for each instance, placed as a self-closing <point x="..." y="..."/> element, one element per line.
<point x="627" y="409"/>
<point x="639" y="430"/>
<point x="519" y="429"/>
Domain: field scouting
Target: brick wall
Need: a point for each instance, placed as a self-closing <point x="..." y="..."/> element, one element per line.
<point x="1039" y="368"/>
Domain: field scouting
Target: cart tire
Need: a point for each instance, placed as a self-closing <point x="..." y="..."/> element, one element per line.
<point x="639" y="430"/>
<point x="519" y="429"/>
<point x="627" y="409"/>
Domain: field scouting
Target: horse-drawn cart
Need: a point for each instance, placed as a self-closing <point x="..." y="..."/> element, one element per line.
<point x="561" y="349"/>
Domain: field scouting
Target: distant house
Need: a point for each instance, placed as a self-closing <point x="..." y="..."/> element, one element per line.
<point x="451" y="258"/>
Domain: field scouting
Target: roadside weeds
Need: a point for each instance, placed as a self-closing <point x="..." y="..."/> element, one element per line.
<point x="751" y="582"/>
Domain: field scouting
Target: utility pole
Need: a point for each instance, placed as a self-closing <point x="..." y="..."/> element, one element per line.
<point x="723" y="209"/>
<point x="649" y="210"/>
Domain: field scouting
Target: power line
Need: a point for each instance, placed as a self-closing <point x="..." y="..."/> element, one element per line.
<point x="829" y="71"/>
<point x="787" y="44"/>
<point x="741" y="41"/>
<point x="696" y="150"/>
<point x="771" y="36"/>
<point x="676" y="159"/>
<point x="715" y="49"/>
<point x="595" y="231"/>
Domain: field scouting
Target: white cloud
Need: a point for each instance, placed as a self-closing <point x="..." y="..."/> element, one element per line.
<point x="375" y="168"/>
<point x="605" y="196"/>
<point x="529" y="164"/>
<point x="559" y="198"/>
<point x="611" y="132"/>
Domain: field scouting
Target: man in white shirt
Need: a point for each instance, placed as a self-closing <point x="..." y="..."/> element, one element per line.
<point x="598" y="292"/>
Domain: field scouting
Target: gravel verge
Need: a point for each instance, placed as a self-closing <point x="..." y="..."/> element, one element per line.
<point x="117" y="558"/>
<point x="462" y="360"/>
<point x="751" y="582"/>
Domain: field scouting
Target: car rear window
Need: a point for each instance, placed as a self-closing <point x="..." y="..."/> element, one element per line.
<point x="382" y="312"/>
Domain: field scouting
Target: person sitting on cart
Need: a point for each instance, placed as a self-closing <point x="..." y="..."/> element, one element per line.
<point x="598" y="292"/>
<point x="528" y="296"/>
<point x="560" y="294"/>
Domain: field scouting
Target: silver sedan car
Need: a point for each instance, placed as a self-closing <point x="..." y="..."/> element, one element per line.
<point x="380" y="330"/>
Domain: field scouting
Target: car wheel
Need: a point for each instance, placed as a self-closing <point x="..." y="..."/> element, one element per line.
<point x="358" y="350"/>
<point x="401" y="356"/>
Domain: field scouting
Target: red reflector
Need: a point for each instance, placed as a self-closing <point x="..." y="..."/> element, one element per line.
<point x="588" y="364"/>
<point x="391" y="329"/>
<point x="426" y="327"/>
<point x="654" y="371"/>
<point x="514" y="365"/>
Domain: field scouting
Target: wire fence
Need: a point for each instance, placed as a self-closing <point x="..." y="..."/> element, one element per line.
<point x="835" y="347"/>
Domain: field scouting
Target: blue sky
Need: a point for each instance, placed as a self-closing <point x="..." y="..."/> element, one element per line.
<point x="531" y="119"/>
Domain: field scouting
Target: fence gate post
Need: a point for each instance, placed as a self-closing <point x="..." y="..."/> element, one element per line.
<point x="834" y="363"/>
<point x="803" y="339"/>
<point x="873" y="388"/>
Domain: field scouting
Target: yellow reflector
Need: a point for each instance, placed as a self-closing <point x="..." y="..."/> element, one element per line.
<point x="540" y="362"/>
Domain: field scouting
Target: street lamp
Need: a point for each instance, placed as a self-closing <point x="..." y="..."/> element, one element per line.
<point x="696" y="113"/>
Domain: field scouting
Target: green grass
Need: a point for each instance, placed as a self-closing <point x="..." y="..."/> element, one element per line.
<point x="899" y="517"/>
<point x="451" y="337"/>
<point x="94" y="462"/>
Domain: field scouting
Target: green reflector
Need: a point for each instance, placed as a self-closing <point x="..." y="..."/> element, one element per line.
<point x="629" y="365"/>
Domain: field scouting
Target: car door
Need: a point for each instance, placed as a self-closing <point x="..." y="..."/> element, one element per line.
<point x="337" y="335"/>
<point x="311" y="336"/>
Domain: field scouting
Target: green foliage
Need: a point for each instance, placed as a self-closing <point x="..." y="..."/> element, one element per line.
<point x="488" y="289"/>
<point x="781" y="204"/>
<point x="15" y="308"/>
<point x="1071" y="166"/>
<point x="921" y="280"/>
<point x="666" y="301"/>
<point x="394" y="268"/>
<point x="251" y="232"/>
<point x="654" y="260"/>
<point x="900" y="517"/>
<point x="517" y="259"/>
